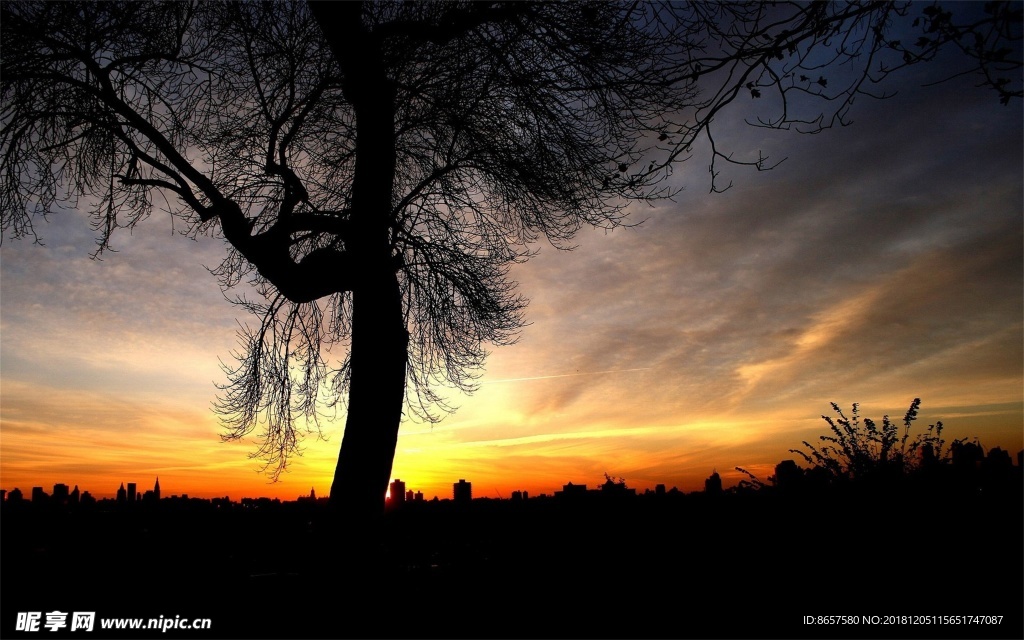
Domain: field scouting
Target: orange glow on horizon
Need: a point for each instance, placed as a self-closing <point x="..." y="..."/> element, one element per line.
<point x="429" y="459"/>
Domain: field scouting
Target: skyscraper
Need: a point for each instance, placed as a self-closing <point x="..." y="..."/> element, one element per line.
<point x="397" y="492"/>
<point x="61" y="493"/>
<point x="462" y="491"/>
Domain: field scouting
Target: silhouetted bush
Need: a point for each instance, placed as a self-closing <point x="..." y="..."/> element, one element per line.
<point x="859" y="448"/>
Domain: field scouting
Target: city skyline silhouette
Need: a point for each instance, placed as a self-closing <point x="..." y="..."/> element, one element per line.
<point x="470" y="566"/>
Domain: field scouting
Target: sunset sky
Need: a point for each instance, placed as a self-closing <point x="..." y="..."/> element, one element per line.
<point x="879" y="263"/>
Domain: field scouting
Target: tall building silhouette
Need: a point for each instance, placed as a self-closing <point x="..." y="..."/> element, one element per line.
<point x="156" y="488"/>
<point x="61" y="494"/>
<point x="462" y="491"/>
<point x="397" y="492"/>
<point x="122" y="495"/>
<point x="713" y="485"/>
<point x="132" y="493"/>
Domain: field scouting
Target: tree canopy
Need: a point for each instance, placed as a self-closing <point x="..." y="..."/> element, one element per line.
<point x="375" y="169"/>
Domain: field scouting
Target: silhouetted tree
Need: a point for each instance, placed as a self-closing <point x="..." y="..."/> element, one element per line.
<point x="860" y="448"/>
<point x="376" y="168"/>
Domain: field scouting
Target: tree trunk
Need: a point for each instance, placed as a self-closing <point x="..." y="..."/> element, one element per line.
<point x="379" y="338"/>
<point x="376" y="395"/>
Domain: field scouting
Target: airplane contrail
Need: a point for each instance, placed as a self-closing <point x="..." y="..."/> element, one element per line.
<point x="564" y="375"/>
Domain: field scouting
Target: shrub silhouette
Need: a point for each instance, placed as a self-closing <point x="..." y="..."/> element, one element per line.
<point x="860" y="448"/>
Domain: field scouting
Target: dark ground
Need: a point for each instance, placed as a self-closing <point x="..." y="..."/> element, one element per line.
<point x="650" y="566"/>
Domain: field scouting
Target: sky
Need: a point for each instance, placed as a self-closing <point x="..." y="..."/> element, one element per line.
<point x="881" y="262"/>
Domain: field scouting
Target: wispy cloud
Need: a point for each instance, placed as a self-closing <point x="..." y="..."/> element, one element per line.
<point x="563" y="375"/>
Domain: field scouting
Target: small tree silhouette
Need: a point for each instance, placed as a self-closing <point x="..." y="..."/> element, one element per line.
<point x="860" y="448"/>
